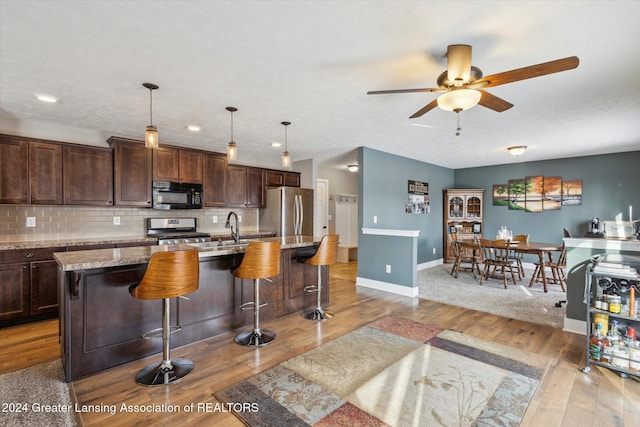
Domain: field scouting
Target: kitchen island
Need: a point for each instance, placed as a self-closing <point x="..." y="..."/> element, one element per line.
<point x="101" y="324"/>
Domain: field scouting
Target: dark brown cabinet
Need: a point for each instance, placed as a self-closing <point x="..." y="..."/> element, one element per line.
<point x="245" y="186"/>
<point x="215" y="179"/>
<point x="88" y="175"/>
<point x="30" y="171"/>
<point x="276" y="178"/>
<point x="29" y="283"/>
<point x="133" y="172"/>
<point x="177" y="165"/>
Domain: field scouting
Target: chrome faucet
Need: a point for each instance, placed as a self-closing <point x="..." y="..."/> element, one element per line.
<point x="234" y="235"/>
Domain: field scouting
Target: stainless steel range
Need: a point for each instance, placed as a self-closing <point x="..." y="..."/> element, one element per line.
<point x="173" y="231"/>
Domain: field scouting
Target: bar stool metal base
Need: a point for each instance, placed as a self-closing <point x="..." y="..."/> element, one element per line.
<point x="255" y="338"/>
<point x="161" y="374"/>
<point x="317" y="314"/>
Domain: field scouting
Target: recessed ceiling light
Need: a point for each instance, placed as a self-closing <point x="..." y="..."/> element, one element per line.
<point x="46" y="98"/>
<point x="276" y="144"/>
<point x="194" y="128"/>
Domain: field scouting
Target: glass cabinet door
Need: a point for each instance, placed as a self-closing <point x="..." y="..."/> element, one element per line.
<point x="456" y="207"/>
<point x="474" y="207"/>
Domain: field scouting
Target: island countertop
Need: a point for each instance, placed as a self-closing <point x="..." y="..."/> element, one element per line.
<point x="103" y="258"/>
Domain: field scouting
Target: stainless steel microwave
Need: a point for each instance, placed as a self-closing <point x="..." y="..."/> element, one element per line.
<point x="176" y="195"/>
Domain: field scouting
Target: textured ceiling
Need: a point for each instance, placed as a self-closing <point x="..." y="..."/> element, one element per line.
<point x="311" y="63"/>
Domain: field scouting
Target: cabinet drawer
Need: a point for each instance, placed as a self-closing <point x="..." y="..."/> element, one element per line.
<point x="22" y="255"/>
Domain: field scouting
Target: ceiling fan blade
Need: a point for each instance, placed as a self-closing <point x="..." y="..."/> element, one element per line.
<point x="527" y="72"/>
<point x="430" y="106"/>
<point x="384" y="92"/>
<point x="494" y="103"/>
<point x="458" y="64"/>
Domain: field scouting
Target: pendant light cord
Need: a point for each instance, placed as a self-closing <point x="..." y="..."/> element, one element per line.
<point x="151" y="106"/>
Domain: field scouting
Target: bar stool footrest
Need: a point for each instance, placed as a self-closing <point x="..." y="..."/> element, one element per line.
<point x="157" y="333"/>
<point x="255" y="338"/>
<point x="160" y="374"/>
<point x="317" y="314"/>
<point x="311" y="289"/>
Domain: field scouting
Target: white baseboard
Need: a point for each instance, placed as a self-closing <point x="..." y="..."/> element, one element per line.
<point x="430" y="264"/>
<point x="407" y="291"/>
<point x="575" y="326"/>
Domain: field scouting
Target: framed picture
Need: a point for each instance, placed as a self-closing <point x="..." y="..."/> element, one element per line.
<point x="477" y="228"/>
<point x="466" y="229"/>
<point x="452" y="229"/>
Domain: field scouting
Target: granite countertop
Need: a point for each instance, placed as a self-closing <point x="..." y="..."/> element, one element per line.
<point x="102" y="258"/>
<point x="59" y="243"/>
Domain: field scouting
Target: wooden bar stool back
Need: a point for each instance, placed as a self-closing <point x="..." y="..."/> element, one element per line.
<point x="326" y="254"/>
<point x="169" y="275"/>
<point x="261" y="261"/>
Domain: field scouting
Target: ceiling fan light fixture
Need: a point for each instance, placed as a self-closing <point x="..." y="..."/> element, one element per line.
<point x="151" y="132"/>
<point x="459" y="99"/>
<point x="286" y="158"/>
<point x="352" y="168"/>
<point x="232" y="148"/>
<point x="517" y="150"/>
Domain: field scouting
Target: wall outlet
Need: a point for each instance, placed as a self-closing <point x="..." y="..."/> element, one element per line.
<point x="434" y="251"/>
<point x="215" y="219"/>
<point x="375" y="219"/>
<point x="116" y="220"/>
<point x="388" y="268"/>
<point x="31" y="221"/>
<point x="239" y="218"/>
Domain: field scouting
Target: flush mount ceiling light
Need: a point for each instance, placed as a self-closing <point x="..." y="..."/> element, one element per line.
<point x="50" y="99"/>
<point x="286" y="158"/>
<point x="151" y="133"/>
<point x="353" y="168"/>
<point x="517" y="150"/>
<point x="194" y="128"/>
<point x="232" y="148"/>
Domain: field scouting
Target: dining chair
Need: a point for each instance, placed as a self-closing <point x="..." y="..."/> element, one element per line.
<point x="496" y="261"/>
<point x="557" y="269"/>
<point x="516" y="256"/>
<point x="461" y="256"/>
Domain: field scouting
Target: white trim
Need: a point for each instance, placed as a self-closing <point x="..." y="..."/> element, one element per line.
<point x="387" y="287"/>
<point x="575" y="326"/>
<point x="606" y="244"/>
<point x="389" y="232"/>
<point x="430" y="264"/>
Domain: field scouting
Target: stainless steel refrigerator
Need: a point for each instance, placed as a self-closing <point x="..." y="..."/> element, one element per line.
<point x="289" y="211"/>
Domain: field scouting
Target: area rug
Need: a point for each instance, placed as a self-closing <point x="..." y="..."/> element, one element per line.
<point x="393" y="372"/>
<point x="36" y="396"/>
<point x="519" y="301"/>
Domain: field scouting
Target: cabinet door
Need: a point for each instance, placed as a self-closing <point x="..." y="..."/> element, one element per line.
<point x="14" y="289"/>
<point x="133" y="173"/>
<point x="14" y="170"/>
<point x="166" y="164"/>
<point x="292" y="179"/>
<point x="45" y="173"/>
<point x="88" y="176"/>
<point x="255" y="188"/>
<point x="190" y="169"/>
<point x="236" y="186"/>
<point x="215" y="180"/>
<point x="44" y="286"/>
<point x="275" y="178"/>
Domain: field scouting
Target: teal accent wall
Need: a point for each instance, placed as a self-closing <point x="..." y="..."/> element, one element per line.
<point x="382" y="186"/>
<point x="610" y="183"/>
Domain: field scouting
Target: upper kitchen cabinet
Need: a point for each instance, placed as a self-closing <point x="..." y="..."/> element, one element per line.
<point x="177" y="165"/>
<point x="132" y="172"/>
<point x="88" y="175"/>
<point x="215" y="179"/>
<point x="245" y="186"/>
<point x="30" y="171"/>
<point x="277" y="178"/>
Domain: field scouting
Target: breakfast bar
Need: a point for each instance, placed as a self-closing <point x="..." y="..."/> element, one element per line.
<point x="101" y="324"/>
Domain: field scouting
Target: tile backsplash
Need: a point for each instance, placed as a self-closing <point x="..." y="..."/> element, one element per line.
<point x="84" y="222"/>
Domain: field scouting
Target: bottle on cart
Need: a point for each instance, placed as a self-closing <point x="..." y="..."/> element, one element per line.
<point x="596" y="343"/>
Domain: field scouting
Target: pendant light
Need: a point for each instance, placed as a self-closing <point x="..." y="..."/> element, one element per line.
<point x="151" y="133"/>
<point x="286" y="158"/>
<point x="232" y="148"/>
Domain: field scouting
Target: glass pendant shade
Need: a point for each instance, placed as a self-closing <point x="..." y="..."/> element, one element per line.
<point x="232" y="151"/>
<point x="151" y="137"/>
<point x="286" y="159"/>
<point x="459" y="99"/>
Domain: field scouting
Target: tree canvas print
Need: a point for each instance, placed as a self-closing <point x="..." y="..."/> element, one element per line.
<point x="517" y="194"/>
<point x="500" y="194"/>
<point x="534" y="186"/>
<point x="572" y="193"/>
<point x="552" y="193"/>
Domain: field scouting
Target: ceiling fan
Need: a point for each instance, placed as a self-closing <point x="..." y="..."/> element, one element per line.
<point x="462" y="83"/>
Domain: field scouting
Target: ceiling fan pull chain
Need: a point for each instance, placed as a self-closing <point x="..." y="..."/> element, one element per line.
<point x="458" y="129"/>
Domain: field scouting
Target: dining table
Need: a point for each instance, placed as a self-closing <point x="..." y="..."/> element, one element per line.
<point x="542" y="249"/>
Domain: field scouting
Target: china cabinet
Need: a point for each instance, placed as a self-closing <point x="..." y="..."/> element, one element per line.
<point x="463" y="210"/>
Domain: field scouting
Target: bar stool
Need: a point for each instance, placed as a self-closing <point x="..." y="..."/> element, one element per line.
<point x="169" y="275"/>
<point x="261" y="261"/>
<point x="326" y="254"/>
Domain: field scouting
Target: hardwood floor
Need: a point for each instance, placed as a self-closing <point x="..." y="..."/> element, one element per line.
<point x="566" y="397"/>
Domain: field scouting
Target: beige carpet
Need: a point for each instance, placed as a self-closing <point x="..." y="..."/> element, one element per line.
<point x="36" y="396"/>
<point x="518" y="301"/>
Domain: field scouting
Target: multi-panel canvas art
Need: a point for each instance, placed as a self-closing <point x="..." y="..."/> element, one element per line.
<point x="538" y="193"/>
